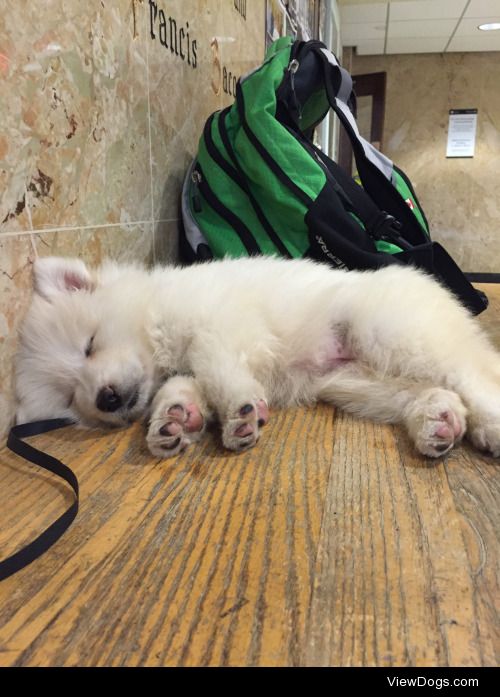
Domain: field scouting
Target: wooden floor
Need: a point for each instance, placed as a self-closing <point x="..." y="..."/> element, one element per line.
<point x="331" y="543"/>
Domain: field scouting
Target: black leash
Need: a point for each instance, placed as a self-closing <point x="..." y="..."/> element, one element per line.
<point x="43" y="542"/>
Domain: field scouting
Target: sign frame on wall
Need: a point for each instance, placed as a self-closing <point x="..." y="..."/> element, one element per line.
<point x="462" y="126"/>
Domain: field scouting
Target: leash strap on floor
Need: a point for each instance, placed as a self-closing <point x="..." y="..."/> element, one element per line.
<point x="43" y="542"/>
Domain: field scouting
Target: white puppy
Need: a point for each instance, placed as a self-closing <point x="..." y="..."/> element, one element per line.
<point x="226" y="339"/>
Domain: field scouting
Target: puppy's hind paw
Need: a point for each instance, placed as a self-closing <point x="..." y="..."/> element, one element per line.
<point x="486" y="437"/>
<point x="173" y="427"/>
<point x="241" y="430"/>
<point x="436" y="421"/>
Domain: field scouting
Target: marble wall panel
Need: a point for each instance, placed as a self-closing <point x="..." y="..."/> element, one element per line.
<point x="16" y="256"/>
<point x="223" y="44"/>
<point x="459" y="196"/>
<point x="74" y="114"/>
<point x="99" y="120"/>
<point x="181" y="98"/>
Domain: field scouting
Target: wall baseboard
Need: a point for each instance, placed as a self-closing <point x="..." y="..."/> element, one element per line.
<point x="483" y="277"/>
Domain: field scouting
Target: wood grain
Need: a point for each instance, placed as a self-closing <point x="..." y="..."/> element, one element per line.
<point x="331" y="543"/>
<point x="407" y="568"/>
<point x="203" y="560"/>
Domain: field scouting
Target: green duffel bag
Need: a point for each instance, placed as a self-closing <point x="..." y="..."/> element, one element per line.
<point x="259" y="185"/>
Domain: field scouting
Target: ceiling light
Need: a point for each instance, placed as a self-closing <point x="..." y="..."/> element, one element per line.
<point x="491" y="26"/>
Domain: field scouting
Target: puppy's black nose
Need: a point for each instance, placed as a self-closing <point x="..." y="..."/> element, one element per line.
<point x="108" y="399"/>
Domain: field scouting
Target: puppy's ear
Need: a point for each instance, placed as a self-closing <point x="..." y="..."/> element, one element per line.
<point x="55" y="275"/>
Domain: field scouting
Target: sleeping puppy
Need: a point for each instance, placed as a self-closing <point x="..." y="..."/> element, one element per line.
<point x="227" y="340"/>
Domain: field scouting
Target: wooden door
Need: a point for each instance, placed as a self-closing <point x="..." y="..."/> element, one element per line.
<point x="370" y="110"/>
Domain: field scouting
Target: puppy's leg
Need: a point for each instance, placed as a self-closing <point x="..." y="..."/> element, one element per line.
<point x="469" y="366"/>
<point x="179" y="415"/>
<point x="434" y="417"/>
<point x="479" y="385"/>
<point x="463" y="360"/>
<point x="238" y="399"/>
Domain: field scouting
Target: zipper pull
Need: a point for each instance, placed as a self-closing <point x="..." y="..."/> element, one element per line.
<point x="196" y="179"/>
<point x="292" y="69"/>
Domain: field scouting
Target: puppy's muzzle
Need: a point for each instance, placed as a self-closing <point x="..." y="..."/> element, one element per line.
<point x="109" y="399"/>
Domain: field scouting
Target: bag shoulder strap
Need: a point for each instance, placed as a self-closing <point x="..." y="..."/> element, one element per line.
<point x="46" y="539"/>
<point x="375" y="169"/>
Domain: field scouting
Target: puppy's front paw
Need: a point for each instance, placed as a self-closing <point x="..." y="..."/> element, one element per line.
<point x="173" y="427"/>
<point x="241" y="430"/>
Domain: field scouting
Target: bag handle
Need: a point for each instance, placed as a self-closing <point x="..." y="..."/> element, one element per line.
<point x="339" y="96"/>
<point x="46" y="539"/>
<point x="374" y="168"/>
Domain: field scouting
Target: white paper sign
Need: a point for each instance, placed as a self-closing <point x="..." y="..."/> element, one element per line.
<point x="461" y="133"/>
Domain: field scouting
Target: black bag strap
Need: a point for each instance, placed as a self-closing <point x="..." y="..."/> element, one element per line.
<point x="374" y="168"/>
<point x="452" y="276"/>
<point x="46" y="539"/>
<point x="378" y="223"/>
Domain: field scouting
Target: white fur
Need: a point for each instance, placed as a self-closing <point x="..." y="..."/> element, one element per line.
<point x="390" y="345"/>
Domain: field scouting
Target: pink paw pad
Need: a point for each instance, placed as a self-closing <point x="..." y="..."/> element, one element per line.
<point x="262" y="413"/>
<point x="175" y="426"/>
<point x="180" y="421"/>
<point x="188" y="418"/>
<point x="194" y="418"/>
<point x="244" y="430"/>
<point x="448" y="430"/>
<point x="171" y="429"/>
<point x="450" y="427"/>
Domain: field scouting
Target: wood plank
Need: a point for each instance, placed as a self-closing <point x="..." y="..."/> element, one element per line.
<point x="393" y="583"/>
<point x="408" y="555"/>
<point x="203" y="560"/>
<point x="475" y="484"/>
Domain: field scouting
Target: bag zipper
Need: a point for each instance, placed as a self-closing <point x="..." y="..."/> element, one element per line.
<point x="293" y="66"/>
<point x="196" y="179"/>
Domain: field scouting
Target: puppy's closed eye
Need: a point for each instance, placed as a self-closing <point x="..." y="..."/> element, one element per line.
<point x="89" y="349"/>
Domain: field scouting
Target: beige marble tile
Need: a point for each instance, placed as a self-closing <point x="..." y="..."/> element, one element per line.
<point x="166" y="241"/>
<point x="16" y="257"/>
<point x="125" y="243"/>
<point x="184" y="93"/>
<point x="74" y="148"/>
<point x="181" y="97"/>
<point x="17" y="253"/>
<point x="241" y="45"/>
